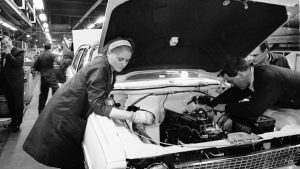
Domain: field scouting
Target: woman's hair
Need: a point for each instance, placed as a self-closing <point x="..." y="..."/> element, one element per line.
<point x="233" y="66"/>
<point x="118" y="48"/>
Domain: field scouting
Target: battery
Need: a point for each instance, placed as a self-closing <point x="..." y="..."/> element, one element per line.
<point x="256" y="125"/>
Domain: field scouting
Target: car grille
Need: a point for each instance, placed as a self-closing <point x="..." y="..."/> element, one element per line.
<point x="265" y="160"/>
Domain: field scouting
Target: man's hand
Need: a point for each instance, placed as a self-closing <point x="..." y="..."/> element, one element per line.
<point x="7" y="50"/>
<point x="144" y="117"/>
<point x="219" y="107"/>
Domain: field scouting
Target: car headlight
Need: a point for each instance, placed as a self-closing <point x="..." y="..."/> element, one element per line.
<point x="158" y="166"/>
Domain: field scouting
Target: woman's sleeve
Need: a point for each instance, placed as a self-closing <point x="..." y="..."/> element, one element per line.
<point x="97" y="77"/>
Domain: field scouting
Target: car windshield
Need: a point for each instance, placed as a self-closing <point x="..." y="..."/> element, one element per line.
<point x="157" y="75"/>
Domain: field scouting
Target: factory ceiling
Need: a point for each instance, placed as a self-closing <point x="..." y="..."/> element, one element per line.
<point x="63" y="16"/>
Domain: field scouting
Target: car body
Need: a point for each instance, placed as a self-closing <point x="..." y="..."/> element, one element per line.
<point x="180" y="47"/>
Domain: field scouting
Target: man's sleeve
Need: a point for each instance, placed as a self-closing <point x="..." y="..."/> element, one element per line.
<point x="18" y="60"/>
<point x="232" y="95"/>
<point x="267" y="91"/>
<point x="37" y="65"/>
<point x="286" y="63"/>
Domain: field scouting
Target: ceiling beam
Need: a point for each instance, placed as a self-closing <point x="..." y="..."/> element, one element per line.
<point x="280" y="2"/>
<point x="284" y="39"/>
<point x="70" y="2"/>
<point x="87" y="13"/>
<point x="18" y="11"/>
<point x="70" y="15"/>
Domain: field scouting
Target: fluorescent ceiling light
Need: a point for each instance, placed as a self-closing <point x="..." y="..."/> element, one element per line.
<point x="8" y="26"/>
<point x="100" y="20"/>
<point x="38" y="4"/>
<point x="91" y="26"/>
<point x="43" y="17"/>
<point x="45" y="25"/>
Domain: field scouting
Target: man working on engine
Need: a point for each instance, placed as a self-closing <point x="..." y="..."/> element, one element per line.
<point x="266" y="85"/>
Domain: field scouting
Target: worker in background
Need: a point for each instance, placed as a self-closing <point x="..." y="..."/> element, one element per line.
<point x="66" y="61"/>
<point x="44" y="64"/>
<point x="266" y="85"/>
<point x="262" y="55"/>
<point x="12" y="79"/>
<point x="56" y="137"/>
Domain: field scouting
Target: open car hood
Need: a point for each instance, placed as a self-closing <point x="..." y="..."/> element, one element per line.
<point x="205" y="33"/>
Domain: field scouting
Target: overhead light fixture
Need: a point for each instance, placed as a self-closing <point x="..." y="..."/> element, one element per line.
<point x="244" y="2"/>
<point x="91" y="26"/>
<point x="8" y="25"/>
<point x="226" y="2"/>
<point x="48" y="37"/>
<point x="43" y="17"/>
<point x="45" y="25"/>
<point x="100" y="20"/>
<point x="38" y="4"/>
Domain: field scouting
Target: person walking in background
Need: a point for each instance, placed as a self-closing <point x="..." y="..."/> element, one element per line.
<point x="262" y="55"/>
<point x="56" y="137"/>
<point x="12" y="79"/>
<point x="44" y="64"/>
<point x="66" y="62"/>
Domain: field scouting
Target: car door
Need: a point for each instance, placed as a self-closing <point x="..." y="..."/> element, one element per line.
<point x="73" y="68"/>
<point x="89" y="56"/>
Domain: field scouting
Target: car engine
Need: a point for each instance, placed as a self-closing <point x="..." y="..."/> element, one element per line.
<point x="193" y="125"/>
<point x="189" y="127"/>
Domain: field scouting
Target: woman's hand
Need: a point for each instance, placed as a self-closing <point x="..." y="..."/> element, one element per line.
<point x="144" y="117"/>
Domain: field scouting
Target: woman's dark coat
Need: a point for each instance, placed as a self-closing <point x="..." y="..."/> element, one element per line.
<point x="55" y="139"/>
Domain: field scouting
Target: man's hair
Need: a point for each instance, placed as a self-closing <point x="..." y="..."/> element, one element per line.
<point x="264" y="46"/>
<point x="72" y="47"/>
<point x="233" y="66"/>
<point x="47" y="46"/>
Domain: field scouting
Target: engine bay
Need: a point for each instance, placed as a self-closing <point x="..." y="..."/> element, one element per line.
<point x="182" y="117"/>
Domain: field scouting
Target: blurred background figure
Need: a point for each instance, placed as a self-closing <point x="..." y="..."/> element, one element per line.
<point x="44" y="64"/>
<point x="66" y="62"/>
<point x="262" y="55"/>
<point x="12" y="79"/>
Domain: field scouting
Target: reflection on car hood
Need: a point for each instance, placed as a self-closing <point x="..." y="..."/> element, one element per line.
<point x="165" y="78"/>
<point x="190" y="34"/>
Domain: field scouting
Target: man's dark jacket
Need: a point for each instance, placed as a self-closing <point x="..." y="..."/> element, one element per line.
<point x="14" y="64"/>
<point x="278" y="60"/>
<point x="12" y="80"/>
<point x="55" y="139"/>
<point x="273" y="85"/>
<point x="44" y="62"/>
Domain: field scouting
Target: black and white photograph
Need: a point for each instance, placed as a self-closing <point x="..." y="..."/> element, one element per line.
<point x="149" y="84"/>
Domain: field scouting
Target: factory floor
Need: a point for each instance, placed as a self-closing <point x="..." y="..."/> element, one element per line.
<point x="12" y="155"/>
